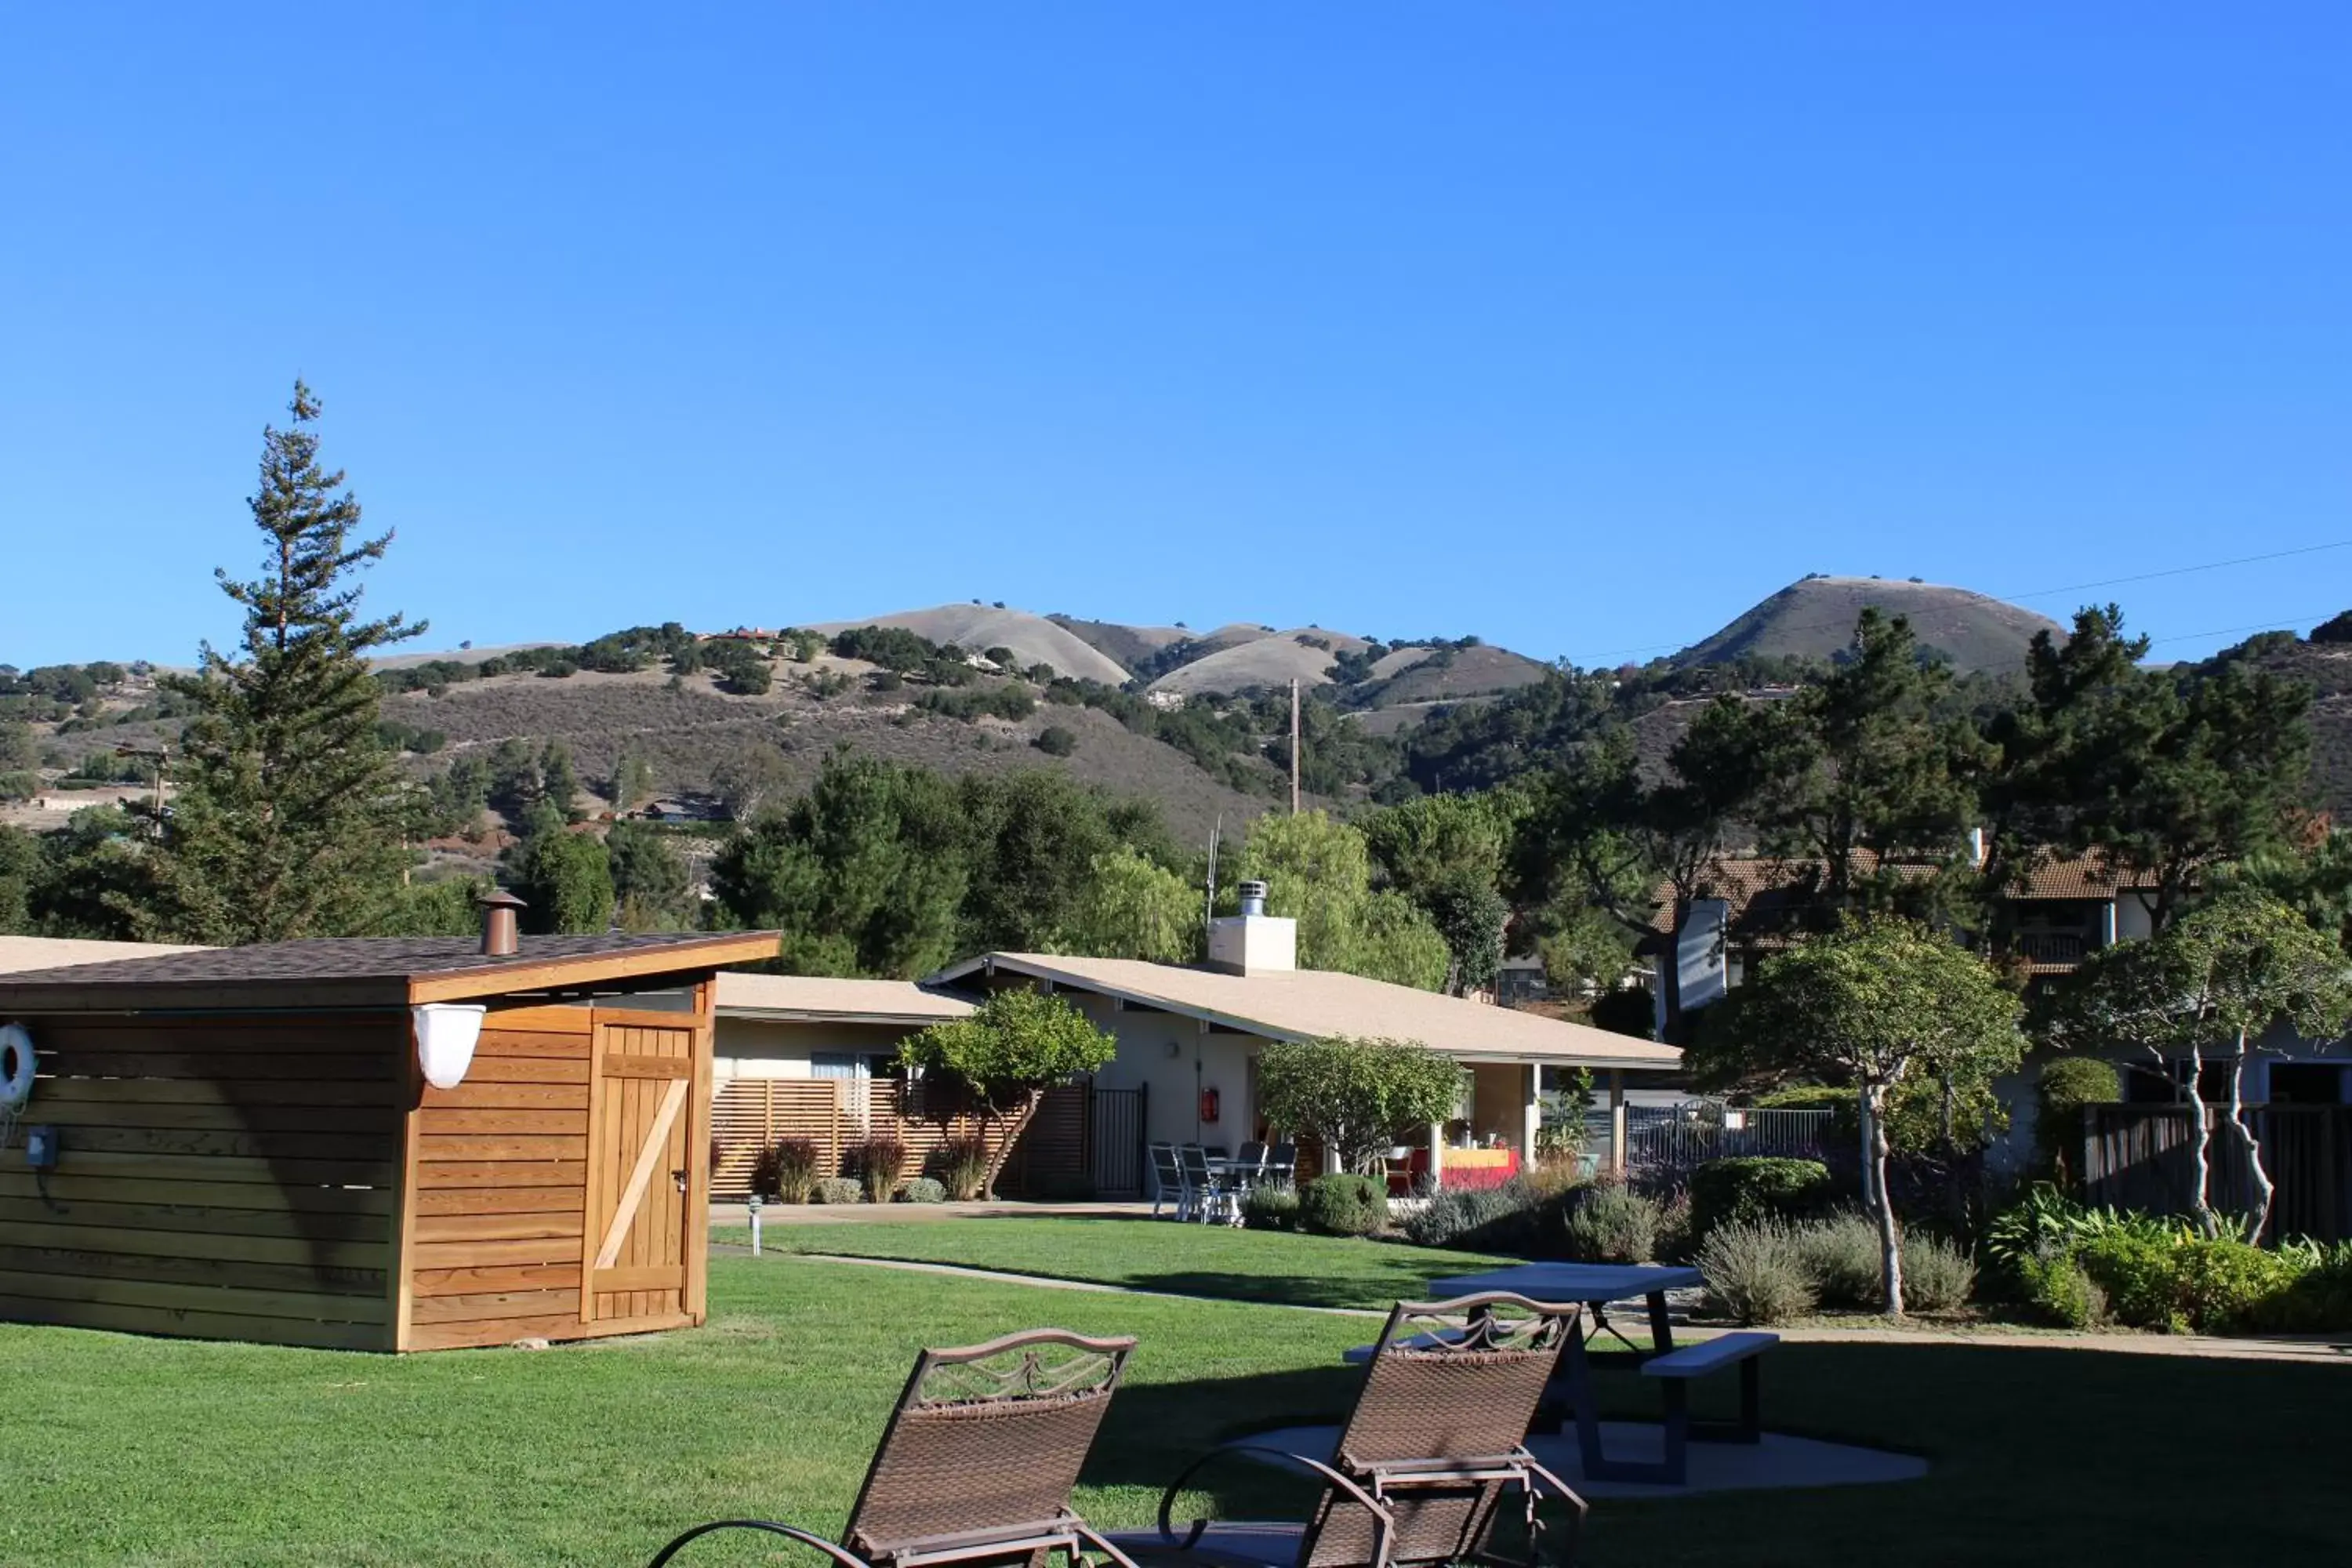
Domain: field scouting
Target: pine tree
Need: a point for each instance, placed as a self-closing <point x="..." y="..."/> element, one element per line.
<point x="290" y="816"/>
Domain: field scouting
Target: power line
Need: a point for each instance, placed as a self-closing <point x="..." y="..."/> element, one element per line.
<point x="2179" y="571"/>
<point x="2285" y="624"/>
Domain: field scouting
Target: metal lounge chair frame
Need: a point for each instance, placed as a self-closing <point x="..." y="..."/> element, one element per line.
<point x="1435" y="1442"/>
<point x="977" y="1461"/>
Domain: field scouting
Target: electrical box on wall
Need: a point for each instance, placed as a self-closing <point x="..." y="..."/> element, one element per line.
<point x="41" y="1148"/>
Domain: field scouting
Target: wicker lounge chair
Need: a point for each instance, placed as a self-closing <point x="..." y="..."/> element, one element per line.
<point x="977" y="1461"/>
<point x="1428" y="1457"/>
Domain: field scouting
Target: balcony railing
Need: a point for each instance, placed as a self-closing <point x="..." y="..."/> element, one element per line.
<point x="2055" y="946"/>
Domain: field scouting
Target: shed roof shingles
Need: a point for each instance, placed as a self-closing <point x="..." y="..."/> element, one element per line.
<point x="372" y="969"/>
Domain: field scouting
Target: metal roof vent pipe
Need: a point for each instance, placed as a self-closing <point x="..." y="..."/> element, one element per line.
<point x="1252" y="898"/>
<point x="501" y="934"/>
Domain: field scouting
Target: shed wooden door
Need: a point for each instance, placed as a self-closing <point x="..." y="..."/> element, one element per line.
<point x="641" y="1251"/>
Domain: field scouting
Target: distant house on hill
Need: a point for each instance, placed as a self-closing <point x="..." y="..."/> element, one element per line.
<point x="681" y="808"/>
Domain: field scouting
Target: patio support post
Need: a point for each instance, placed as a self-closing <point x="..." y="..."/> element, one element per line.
<point x="1617" y="1120"/>
<point x="1531" y="1126"/>
<point x="1436" y="1150"/>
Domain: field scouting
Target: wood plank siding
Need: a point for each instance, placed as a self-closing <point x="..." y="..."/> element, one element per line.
<point x="221" y="1177"/>
<point x="545" y="1133"/>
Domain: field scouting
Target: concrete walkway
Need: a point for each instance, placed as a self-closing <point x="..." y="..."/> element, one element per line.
<point x="996" y="1276"/>
<point x="2311" y="1350"/>
<point x="918" y="1214"/>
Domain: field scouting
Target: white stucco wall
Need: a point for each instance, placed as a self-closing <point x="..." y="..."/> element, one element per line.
<point x="768" y="1047"/>
<point x="1168" y="1055"/>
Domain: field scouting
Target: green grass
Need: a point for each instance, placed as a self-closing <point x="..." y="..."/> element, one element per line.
<point x="1151" y="1255"/>
<point x="163" y="1453"/>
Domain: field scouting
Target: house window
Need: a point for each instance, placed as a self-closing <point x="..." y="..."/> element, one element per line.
<point x="2142" y="1086"/>
<point x="832" y="1064"/>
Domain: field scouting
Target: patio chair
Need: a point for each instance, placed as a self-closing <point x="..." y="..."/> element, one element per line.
<point x="1282" y="1164"/>
<point x="1168" y="1179"/>
<point x="1427" y="1459"/>
<point x="977" y="1461"/>
<point x="1212" y="1200"/>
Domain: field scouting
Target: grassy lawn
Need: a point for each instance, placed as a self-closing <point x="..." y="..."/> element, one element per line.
<point x="1150" y="1255"/>
<point x="155" y="1452"/>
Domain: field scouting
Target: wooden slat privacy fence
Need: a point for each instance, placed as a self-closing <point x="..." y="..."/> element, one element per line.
<point x="2140" y="1157"/>
<point x="1049" y="1156"/>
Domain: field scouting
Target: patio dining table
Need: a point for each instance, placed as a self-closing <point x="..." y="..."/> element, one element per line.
<point x="1592" y="1286"/>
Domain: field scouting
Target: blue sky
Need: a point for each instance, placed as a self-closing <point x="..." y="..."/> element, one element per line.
<point x="1579" y="327"/>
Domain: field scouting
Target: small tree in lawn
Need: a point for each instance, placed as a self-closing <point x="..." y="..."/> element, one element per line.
<point x="1876" y="1002"/>
<point x="2204" y="988"/>
<point x="1357" y="1097"/>
<point x="1017" y="1046"/>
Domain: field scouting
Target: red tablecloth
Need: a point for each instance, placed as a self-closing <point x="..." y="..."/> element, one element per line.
<point x="1463" y="1168"/>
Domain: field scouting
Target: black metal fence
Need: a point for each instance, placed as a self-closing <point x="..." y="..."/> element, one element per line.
<point x="1669" y="1142"/>
<point x="1115" y="1133"/>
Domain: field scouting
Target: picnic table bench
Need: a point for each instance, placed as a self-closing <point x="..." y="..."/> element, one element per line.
<point x="1595" y="1287"/>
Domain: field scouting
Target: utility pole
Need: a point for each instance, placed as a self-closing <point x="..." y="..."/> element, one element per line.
<point x="1293" y="748"/>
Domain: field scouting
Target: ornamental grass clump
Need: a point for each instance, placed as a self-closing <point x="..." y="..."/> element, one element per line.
<point x="876" y="1163"/>
<point x="1756" y="1273"/>
<point x="960" y="1166"/>
<point x="922" y="1190"/>
<point x="786" y="1169"/>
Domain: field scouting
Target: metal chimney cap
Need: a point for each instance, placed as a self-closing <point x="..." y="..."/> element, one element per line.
<point x="500" y="898"/>
<point x="1252" y="888"/>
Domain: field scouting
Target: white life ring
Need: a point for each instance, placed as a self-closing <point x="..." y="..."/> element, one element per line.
<point x="16" y="1067"/>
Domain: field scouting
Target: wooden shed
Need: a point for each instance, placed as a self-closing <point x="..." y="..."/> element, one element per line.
<point x="241" y="1143"/>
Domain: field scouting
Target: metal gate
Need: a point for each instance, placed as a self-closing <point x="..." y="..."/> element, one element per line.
<point x="1114" y="1136"/>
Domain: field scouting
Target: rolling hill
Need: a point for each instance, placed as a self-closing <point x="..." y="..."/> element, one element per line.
<point x="1303" y="654"/>
<point x="1124" y="728"/>
<point x="1814" y="619"/>
<point x="975" y="628"/>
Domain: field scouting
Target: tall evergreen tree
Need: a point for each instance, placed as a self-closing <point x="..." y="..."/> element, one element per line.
<point x="290" y="816"/>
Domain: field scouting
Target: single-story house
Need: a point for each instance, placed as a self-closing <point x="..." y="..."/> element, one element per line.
<point x="1189" y="1038"/>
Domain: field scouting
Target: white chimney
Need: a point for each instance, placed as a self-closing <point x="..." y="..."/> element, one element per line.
<point x="1976" y="848"/>
<point x="1253" y="941"/>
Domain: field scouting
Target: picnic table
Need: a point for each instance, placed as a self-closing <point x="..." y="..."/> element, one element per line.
<point x="1592" y="1286"/>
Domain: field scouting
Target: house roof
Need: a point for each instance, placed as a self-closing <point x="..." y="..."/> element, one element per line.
<point x="787" y="996"/>
<point x="368" y="971"/>
<point x="1758" y="887"/>
<point x="19" y="954"/>
<point x="1309" y="1003"/>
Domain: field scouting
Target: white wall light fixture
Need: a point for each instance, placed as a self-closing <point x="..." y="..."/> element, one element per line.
<point x="446" y="1033"/>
